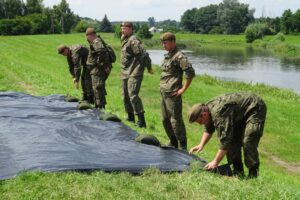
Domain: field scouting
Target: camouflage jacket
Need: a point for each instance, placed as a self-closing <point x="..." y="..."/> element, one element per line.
<point x="229" y="114"/>
<point x="173" y="66"/>
<point x="98" y="55"/>
<point x="77" y="57"/>
<point x="130" y="54"/>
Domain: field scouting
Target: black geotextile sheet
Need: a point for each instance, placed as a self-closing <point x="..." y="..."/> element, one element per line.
<point x="48" y="134"/>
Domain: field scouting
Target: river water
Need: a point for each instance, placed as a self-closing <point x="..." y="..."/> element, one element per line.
<point x="242" y="64"/>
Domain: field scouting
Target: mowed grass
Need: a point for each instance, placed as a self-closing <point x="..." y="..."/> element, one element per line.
<point x="31" y="64"/>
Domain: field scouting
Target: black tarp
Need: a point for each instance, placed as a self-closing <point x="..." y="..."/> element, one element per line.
<point x="49" y="134"/>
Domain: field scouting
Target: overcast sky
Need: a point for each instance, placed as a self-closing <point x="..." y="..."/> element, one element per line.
<point x="141" y="10"/>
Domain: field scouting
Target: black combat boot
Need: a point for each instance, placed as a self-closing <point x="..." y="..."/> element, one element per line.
<point x="173" y="143"/>
<point x="238" y="169"/>
<point x="130" y="117"/>
<point x="253" y="171"/>
<point x="183" y="145"/>
<point x="90" y="99"/>
<point x="141" y="121"/>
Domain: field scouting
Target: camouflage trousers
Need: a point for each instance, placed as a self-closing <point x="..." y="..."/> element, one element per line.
<point x="86" y="82"/>
<point x="247" y="137"/>
<point x="171" y="108"/>
<point x="130" y="94"/>
<point x="99" y="77"/>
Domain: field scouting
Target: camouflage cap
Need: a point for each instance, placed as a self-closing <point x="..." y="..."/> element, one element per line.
<point x="127" y="24"/>
<point x="195" y="111"/>
<point x="90" y="31"/>
<point x="61" y="48"/>
<point x="168" y="36"/>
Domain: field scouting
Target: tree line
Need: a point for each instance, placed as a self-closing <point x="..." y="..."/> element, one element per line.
<point x="233" y="17"/>
<point x="19" y="18"/>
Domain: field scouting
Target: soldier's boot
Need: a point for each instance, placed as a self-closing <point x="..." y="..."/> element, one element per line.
<point x="84" y="97"/>
<point x="173" y="143"/>
<point x="238" y="169"/>
<point x="253" y="171"/>
<point x="90" y="99"/>
<point x="130" y="117"/>
<point x="183" y="145"/>
<point x="141" y="120"/>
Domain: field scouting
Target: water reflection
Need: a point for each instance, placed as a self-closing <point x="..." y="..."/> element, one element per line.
<point x="242" y="64"/>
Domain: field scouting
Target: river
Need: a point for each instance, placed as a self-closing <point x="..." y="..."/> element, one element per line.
<point x="242" y="64"/>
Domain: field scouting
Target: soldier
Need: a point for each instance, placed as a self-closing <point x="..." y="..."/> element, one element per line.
<point x="239" y="120"/>
<point x="98" y="62"/>
<point x="132" y="74"/>
<point x="76" y="57"/>
<point x="174" y="65"/>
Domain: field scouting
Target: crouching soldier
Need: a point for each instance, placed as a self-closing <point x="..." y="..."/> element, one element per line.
<point x="239" y="120"/>
<point x="76" y="56"/>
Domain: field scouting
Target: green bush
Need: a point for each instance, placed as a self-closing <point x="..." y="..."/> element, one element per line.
<point x="255" y="31"/>
<point x="18" y="26"/>
<point x="144" y="32"/>
<point x="81" y="26"/>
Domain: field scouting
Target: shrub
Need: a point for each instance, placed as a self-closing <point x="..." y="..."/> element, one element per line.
<point x="255" y="31"/>
<point x="18" y="26"/>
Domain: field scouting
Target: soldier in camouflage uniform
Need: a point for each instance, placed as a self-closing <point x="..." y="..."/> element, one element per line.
<point x="132" y="74"/>
<point x="174" y="65"/>
<point x="98" y="62"/>
<point x="76" y="57"/>
<point x="239" y="121"/>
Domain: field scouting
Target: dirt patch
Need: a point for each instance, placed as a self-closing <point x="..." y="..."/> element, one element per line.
<point x="28" y="88"/>
<point x="289" y="166"/>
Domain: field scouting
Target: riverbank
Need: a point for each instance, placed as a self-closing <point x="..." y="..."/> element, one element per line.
<point x="31" y="64"/>
<point x="289" y="48"/>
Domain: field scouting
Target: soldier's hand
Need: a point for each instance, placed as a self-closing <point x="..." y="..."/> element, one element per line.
<point x="76" y="83"/>
<point x="211" y="165"/>
<point x="178" y="92"/>
<point x="196" y="149"/>
<point x="151" y="71"/>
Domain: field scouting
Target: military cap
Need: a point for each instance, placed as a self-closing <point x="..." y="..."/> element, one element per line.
<point x="195" y="111"/>
<point x="90" y="31"/>
<point x="168" y="36"/>
<point x="61" y="48"/>
<point x="127" y="24"/>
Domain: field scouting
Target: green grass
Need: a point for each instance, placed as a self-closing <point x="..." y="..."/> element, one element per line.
<point x="31" y="64"/>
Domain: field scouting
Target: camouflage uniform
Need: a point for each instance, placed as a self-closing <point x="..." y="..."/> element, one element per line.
<point x="174" y="65"/>
<point x="239" y="120"/>
<point x="97" y="62"/>
<point x="77" y="56"/>
<point x="131" y="74"/>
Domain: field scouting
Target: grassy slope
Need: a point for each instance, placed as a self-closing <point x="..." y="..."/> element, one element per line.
<point x="31" y="64"/>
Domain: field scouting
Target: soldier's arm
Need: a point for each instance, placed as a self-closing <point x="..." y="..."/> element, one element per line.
<point x="189" y="74"/>
<point x="77" y="67"/>
<point x="204" y="140"/>
<point x="215" y="162"/>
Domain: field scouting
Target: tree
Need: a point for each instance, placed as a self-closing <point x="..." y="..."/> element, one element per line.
<point x="11" y="8"/>
<point x="296" y="21"/>
<point x="206" y="19"/>
<point x="144" y="32"/>
<point x="188" y="20"/>
<point x="81" y="26"/>
<point x="255" y="31"/>
<point x="106" y="26"/>
<point x="34" y="6"/>
<point x="287" y="21"/>
<point x="151" y="21"/>
<point x="234" y="16"/>
<point x="66" y="17"/>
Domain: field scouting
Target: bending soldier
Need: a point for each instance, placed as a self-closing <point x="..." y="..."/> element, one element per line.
<point x="76" y="57"/>
<point x="98" y="62"/>
<point x="239" y="121"/>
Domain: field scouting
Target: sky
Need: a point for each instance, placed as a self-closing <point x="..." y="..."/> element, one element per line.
<point x="141" y="10"/>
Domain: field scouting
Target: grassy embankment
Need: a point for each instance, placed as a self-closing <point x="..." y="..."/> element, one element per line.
<point x="30" y="64"/>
